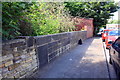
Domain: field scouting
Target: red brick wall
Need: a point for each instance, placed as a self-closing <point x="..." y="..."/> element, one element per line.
<point x="84" y="24"/>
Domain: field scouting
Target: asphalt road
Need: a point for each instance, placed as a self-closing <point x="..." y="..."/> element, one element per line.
<point x="85" y="61"/>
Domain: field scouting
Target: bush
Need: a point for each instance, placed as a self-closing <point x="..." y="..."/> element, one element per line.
<point x="33" y="19"/>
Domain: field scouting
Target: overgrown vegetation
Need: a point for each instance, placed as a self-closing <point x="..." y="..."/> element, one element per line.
<point x="42" y="18"/>
<point x="33" y="19"/>
<point x="99" y="11"/>
<point x="114" y="22"/>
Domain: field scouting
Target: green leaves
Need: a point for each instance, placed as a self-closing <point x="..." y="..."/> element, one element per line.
<point x="99" y="11"/>
<point x="47" y="18"/>
<point x="34" y="19"/>
<point x="114" y="22"/>
<point x="12" y="12"/>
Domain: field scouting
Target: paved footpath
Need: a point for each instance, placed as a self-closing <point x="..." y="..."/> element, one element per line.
<point x="85" y="61"/>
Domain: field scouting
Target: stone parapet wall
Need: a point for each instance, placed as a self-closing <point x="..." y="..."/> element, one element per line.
<point x="18" y="59"/>
<point x="22" y="57"/>
<point x="49" y="47"/>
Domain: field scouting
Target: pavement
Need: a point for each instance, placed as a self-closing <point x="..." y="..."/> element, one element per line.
<point x="84" y="61"/>
<point x="110" y="67"/>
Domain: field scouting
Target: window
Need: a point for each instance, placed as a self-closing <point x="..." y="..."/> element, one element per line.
<point x="114" y="33"/>
<point x="116" y="45"/>
<point x="105" y="31"/>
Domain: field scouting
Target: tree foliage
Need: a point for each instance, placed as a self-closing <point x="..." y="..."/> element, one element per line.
<point x="99" y="11"/>
<point x="114" y="22"/>
<point x="41" y="18"/>
<point x="49" y="18"/>
<point x="33" y="19"/>
<point x="11" y="14"/>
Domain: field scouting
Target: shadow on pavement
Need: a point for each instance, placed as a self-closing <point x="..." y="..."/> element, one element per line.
<point x="84" y="61"/>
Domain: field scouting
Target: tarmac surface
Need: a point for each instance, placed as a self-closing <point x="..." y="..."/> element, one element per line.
<point x="88" y="60"/>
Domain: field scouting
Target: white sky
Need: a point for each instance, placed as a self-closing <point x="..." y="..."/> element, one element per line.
<point x="116" y="0"/>
<point x="116" y="15"/>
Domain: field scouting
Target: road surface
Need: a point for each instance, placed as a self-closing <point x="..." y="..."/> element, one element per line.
<point x="85" y="61"/>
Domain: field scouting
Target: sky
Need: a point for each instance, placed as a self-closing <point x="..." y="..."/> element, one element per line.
<point x="116" y="14"/>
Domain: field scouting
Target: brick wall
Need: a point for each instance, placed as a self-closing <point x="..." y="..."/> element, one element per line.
<point x="86" y="24"/>
<point x="22" y="57"/>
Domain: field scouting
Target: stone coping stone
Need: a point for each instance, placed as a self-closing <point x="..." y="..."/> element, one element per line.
<point x="13" y="41"/>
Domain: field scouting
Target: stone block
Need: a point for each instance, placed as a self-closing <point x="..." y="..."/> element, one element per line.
<point x="1" y="77"/>
<point x="55" y="47"/>
<point x="5" y="46"/>
<point x="34" y="61"/>
<point x="15" y="49"/>
<point x="6" y="52"/>
<point x="4" y="70"/>
<point x="7" y="57"/>
<point x="63" y="35"/>
<point x="50" y="50"/>
<point x="0" y="70"/>
<point x="22" y="77"/>
<point x="55" y="37"/>
<point x="4" y="75"/>
<point x="16" y="54"/>
<point x="17" y="58"/>
<point x="19" y="68"/>
<point x="53" y="55"/>
<point x="10" y="74"/>
<point x="29" y="41"/>
<point x="13" y="66"/>
<point x="34" y="64"/>
<point x="2" y="65"/>
<point x="18" y="61"/>
<point x="17" y="75"/>
<point x="42" y="55"/>
<point x="1" y="59"/>
<point x="23" y="72"/>
<point x="32" y="53"/>
<point x="29" y="59"/>
<point x="23" y="56"/>
<point x="42" y="40"/>
<point x="22" y="62"/>
<point x="21" y="48"/>
<point x="25" y="65"/>
<point x="32" y="49"/>
<point x="8" y="63"/>
<point x="29" y="68"/>
<point x="34" y="57"/>
<point x="34" y="69"/>
<point x="51" y="44"/>
<point x="17" y="44"/>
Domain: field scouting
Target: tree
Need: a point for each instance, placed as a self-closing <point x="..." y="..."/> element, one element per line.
<point x="34" y="19"/>
<point x="99" y="11"/>
<point x="114" y="22"/>
<point x="12" y="13"/>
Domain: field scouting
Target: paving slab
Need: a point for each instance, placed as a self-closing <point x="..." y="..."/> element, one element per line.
<point x="84" y="61"/>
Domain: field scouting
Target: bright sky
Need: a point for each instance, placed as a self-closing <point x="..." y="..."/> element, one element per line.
<point x="116" y="0"/>
<point x="115" y="17"/>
